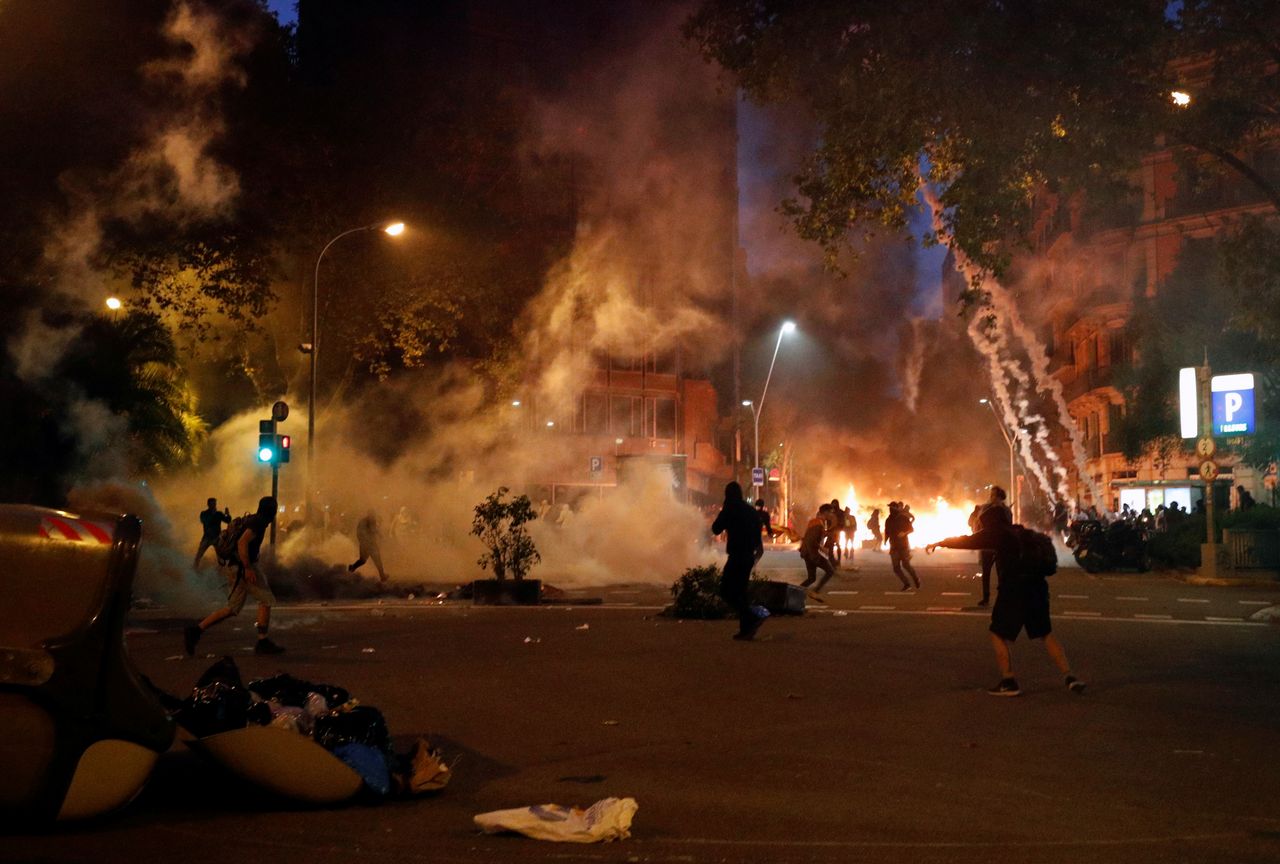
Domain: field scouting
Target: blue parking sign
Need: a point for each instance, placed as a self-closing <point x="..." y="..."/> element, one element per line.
<point x="1232" y="404"/>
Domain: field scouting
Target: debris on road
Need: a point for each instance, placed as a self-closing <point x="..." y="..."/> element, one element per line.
<point x="609" y="723"/>
<point x="606" y="820"/>
<point x="583" y="627"/>
<point x="368" y="650"/>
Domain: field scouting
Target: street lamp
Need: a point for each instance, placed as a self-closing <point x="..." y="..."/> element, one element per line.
<point x="114" y="304"/>
<point x="758" y="407"/>
<point x="393" y="229"/>
<point x="1013" y="484"/>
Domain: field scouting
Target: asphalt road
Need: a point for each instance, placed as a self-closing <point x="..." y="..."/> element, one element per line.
<point x="858" y="732"/>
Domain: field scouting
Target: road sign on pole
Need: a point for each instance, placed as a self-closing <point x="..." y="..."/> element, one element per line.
<point x="757" y="476"/>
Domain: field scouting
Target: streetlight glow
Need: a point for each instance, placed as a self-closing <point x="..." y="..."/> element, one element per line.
<point x="982" y="401"/>
<point x="1180" y="98"/>
<point x="515" y="403"/>
<point x="113" y="303"/>
<point x="788" y="326"/>
<point x="746" y="403"/>
<point x="395" y="229"/>
<point x="758" y="407"/>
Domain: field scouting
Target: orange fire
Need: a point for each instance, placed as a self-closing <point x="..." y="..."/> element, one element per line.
<point x="934" y="521"/>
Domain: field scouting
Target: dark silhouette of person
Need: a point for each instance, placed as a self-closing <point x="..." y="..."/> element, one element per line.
<point x="873" y="525"/>
<point x="813" y="549"/>
<point x="897" y="529"/>
<point x="247" y="580"/>
<point x="995" y="510"/>
<point x="739" y="521"/>
<point x="211" y="526"/>
<point x="369" y="538"/>
<point x="1022" y="601"/>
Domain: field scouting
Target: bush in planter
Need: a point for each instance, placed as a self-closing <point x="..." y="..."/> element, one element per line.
<point x="696" y="594"/>
<point x="1178" y="548"/>
<point x="500" y="525"/>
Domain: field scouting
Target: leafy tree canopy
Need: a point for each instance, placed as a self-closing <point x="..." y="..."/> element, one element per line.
<point x="992" y="100"/>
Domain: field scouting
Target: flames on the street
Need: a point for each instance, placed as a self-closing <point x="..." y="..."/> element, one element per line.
<point x="935" y="519"/>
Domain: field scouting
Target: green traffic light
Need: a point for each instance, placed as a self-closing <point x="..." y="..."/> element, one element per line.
<point x="265" y="454"/>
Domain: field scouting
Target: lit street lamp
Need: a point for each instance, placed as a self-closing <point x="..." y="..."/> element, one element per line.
<point x="1013" y="483"/>
<point x="393" y="229"/>
<point x="114" y="304"/>
<point x="757" y="407"/>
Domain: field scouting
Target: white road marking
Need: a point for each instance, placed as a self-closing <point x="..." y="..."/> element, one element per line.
<point x="1081" y="612"/>
<point x="956" y="593"/>
<point x="624" y="592"/>
<point x="1254" y="602"/>
<point x="1215" y="618"/>
<point x="842" y="592"/>
<point x="1138" y="599"/>
<point x="1072" y="596"/>
<point x="943" y="609"/>
<point x="1154" y="617"/>
<point x="878" y="608"/>
<point x="1191" y="600"/>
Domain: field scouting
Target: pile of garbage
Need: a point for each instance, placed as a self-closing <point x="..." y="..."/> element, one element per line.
<point x="356" y="734"/>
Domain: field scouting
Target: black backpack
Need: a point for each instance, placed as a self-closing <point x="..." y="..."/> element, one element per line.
<point x="226" y="546"/>
<point x="1037" y="556"/>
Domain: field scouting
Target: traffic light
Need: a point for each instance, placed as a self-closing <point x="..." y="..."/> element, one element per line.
<point x="267" y="441"/>
<point x="282" y="448"/>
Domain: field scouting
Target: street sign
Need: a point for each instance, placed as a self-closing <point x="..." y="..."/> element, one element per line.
<point x="757" y="476"/>
<point x="1209" y="470"/>
<point x="1205" y="447"/>
<point x="1232" y="404"/>
<point x="775" y="476"/>
<point x="597" y="466"/>
<point x="280" y="411"/>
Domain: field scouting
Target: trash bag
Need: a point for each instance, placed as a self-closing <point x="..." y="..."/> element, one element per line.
<point x="605" y="820"/>
<point x="362" y="724"/>
<point x="426" y="771"/>
<point x="287" y="690"/>
<point x="370" y="763"/>
<point x="218" y="702"/>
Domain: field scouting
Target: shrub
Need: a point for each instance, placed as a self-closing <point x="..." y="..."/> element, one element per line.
<point x="696" y="594"/>
<point x="1179" y="548"/>
<point x="500" y="526"/>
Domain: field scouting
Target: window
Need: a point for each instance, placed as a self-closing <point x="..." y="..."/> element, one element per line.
<point x="660" y="418"/>
<point x="661" y="364"/>
<point x="624" y="415"/>
<point x="1119" y="349"/>
<point x="619" y="363"/>
<point x="595" y="414"/>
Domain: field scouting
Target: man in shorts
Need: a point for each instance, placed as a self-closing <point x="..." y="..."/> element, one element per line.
<point x="248" y="580"/>
<point x="1022" y="602"/>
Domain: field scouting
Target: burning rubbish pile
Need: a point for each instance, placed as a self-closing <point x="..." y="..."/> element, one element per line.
<point x="255" y="731"/>
<point x="936" y="520"/>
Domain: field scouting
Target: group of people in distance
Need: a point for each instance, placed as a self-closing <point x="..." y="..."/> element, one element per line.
<point x="1022" y="599"/>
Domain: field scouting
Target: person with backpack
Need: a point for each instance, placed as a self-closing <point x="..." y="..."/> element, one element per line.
<point x="1024" y="561"/>
<point x="211" y="526"/>
<point x="813" y="550"/>
<point x="246" y="533"/>
<point x="738" y="520"/>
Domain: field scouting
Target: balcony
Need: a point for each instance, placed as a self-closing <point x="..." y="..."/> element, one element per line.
<point x="1086" y="380"/>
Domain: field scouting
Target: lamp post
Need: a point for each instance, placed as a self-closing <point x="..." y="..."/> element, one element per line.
<point x="758" y="407"/>
<point x="1013" y="481"/>
<point x="393" y="229"/>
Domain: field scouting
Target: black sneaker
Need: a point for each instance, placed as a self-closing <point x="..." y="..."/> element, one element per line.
<point x="1006" y="687"/>
<point x="266" y="646"/>
<point x="748" y="632"/>
<point x="190" y="636"/>
<point x="1075" y="685"/>
<point x="983" y="602"/>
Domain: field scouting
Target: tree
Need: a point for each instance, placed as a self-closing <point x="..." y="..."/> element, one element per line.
<point x="500" y="526"/>
<point x="992" y="100"/>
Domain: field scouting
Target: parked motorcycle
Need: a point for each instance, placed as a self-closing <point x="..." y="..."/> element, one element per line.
<point x="1098" y="547"/>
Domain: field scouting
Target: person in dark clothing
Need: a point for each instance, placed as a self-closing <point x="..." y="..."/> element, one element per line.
<point x="835" y="524"/>
<point x="994" y="510"/>
<point x="873" y="525"/>
<point x="211" y="526"/>
<point x="812" y="546"/>
<point x="1244" y="499"/>
<point x="369" y="539"/>
<point x="1022" y="601"/>
<point x="247" y="580"/>
<point x="742" y="526"/>
<point x="766" y="522"/>
<point x="897" y="529"/>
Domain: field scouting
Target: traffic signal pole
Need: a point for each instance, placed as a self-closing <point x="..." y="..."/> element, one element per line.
<point x="1209" y="551"/>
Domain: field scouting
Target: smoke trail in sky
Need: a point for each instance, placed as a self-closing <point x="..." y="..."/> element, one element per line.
<point x="1004" y="322"/>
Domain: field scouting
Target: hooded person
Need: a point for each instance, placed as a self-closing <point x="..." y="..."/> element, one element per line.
<point x="741" y="525"/>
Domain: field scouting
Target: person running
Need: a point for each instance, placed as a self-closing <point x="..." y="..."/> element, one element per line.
<point x="873" y="525"/>
<point x="247" y="580"/>
<point x="850" y="531"/>
<point x="1022" y="602"/>
<point x="211" y="526"/>
<point x="738" y="520"/>
<point x="812" y="546"/>
<point x="369" y="539"/>
<point x="897" y="529"/>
